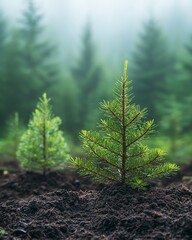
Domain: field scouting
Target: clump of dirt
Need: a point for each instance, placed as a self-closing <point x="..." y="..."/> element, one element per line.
<point x="114" y="212"/>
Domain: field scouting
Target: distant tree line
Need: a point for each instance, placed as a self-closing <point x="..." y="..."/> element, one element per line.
<point x="28" y="67"/>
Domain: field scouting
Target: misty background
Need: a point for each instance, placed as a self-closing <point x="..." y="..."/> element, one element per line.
<point x="74" y="50"/>
<point x="115" y="24"/>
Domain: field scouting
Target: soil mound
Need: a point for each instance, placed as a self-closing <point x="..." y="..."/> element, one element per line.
<point x="23" y="184"/>
<point x="114" y="212"/>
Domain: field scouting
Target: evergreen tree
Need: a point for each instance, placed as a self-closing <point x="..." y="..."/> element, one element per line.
<point x="174" y="120"/>
<point x="152" y="64"/>
<point x="43" y="146"/>
<point x="117" y="152"/>
<point x="87" y="75"/>
<point x="171" y="110"/>
<point x="15" y="84"/>
<point x="3" y="36"/>
<point x="37" y="54"/>
<point x="66" y="104"/>
<point x="187" y="86"/>
<point x="188" y="62"/>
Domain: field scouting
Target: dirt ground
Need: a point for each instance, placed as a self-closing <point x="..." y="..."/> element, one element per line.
<point x="64" y="205"/>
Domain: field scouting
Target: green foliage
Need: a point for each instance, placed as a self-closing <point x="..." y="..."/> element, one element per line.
<point x="116" y="153"/>
<point x="27" y="65"/>
<point x="37" y="55"/>
<point x="15" y="84"/>
<point x="152" y="64"/>
<point x="87" y="75"/>
<point x="9" y="144"/>
<point x="175" y="111"/>
<point x="3" y="232"/>
<point x="43" y="146"/>
<point x="187" y="63"/>
<point x="178" y="149"/>
<point x="3" y="36"/>
<point x="66" y="104"/>
<point x="187" y="86"/>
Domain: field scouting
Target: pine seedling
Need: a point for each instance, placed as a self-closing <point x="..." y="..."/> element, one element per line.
<point x="43" y="146"/>
<point x="117" y="152"/>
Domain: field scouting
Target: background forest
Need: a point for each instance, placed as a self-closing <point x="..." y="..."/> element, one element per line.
<point x="74" y="50"/>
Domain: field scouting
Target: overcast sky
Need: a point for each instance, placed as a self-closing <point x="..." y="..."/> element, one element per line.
<point x="113" y="21"/>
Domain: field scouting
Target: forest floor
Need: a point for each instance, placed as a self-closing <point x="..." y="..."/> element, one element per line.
<point x="63" y="205"/>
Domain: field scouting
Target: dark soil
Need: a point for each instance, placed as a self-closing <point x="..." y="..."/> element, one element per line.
<point x="63" y="205"/>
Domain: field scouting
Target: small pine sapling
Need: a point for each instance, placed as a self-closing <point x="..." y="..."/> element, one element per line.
<point x="43" y="146"/>
<point x="117" y="152"/>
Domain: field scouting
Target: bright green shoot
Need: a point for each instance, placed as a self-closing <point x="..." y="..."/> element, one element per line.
<point x="43" y="146"/>
<point x="3" y="232"/>
<point x="117" y="152"/>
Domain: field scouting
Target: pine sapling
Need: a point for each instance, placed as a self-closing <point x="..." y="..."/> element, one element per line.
<point x="43" y="146"/>
<point x="117" y="153"/>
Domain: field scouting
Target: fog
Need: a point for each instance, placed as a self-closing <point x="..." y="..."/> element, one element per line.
<point x="115" y="24"/>
<point x="75" y="54"/>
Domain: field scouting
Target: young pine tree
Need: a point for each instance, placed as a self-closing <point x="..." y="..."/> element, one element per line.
<point x="117" y="152"/>
<point x="43" y="146"/>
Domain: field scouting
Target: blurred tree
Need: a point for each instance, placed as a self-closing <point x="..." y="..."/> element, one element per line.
<point x="66" y="104"/>
<point x="187" y="86"/>
<point x="188" y="61"/>
<point x="172" y="119"/>
<point x="37" y="55"/>
<point x="15" y="84"/>
<point x="152" y="65"/>
<point x="9" y="143"/>
<point x="87" y="75"/>
<point x="3" y="36"/>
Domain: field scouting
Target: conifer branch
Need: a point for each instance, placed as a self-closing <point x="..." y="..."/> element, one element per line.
<point x="139" y="137"/>
<point x="115" y="140"/>
<point x="84" y="168"/>
<point x="102" y="146"/>
<point x="133" y="119"/>
<point x="136" y="155"/>
<point x="110" y="128"/>
<point x="144" y="164"/>
<point x="102" y="158"/>
<point x="113" y="113"/>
